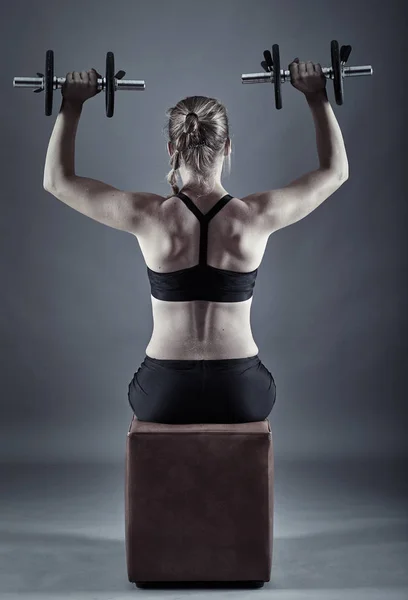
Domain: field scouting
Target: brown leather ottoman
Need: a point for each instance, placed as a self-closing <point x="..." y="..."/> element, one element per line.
<point x="199" y="503"/>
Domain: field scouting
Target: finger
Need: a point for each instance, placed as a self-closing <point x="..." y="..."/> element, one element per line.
<point x="294" y="72"/>
<point x="92" y="77"/>
<point x="310" y="68"/>
<point x="70" y="77"/>
<point x="302" y="69"/>
<point x="84" y="76"/>
<point x="318" y="69"/>
<point x="294" y="68"/>
<point x="76" y="77"/>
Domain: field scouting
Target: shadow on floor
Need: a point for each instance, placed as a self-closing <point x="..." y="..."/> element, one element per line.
<point x="363" y="557"/>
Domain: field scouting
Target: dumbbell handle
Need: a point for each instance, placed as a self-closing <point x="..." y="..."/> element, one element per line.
<point x="327" y="72"/>
<point x="38" y="82"/>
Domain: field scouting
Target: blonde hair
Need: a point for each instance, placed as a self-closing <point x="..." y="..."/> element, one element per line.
<point x="198" y="131"/>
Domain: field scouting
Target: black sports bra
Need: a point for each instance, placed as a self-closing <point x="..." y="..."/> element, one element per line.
<point x="202" y="282"/>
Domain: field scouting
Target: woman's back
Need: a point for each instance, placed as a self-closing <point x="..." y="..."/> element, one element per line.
<point x="170" y="241"/>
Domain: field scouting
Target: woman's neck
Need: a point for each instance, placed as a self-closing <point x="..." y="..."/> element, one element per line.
<point x="198" y="192"/>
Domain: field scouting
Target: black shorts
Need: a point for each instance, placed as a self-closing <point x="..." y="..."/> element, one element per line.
<point x="236" y="390"/>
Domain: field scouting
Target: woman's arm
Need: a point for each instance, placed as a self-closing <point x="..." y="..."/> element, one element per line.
<point x="60" y="159"/>
<point x="95" y="199"/>
<point x="279" y="208"/>
<point x="329" y="139"/>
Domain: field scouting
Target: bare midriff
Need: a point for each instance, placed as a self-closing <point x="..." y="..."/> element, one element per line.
<point x="201" y="330"/>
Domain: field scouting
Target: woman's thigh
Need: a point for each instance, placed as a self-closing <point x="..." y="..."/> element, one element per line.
<point x="202" y="391"/>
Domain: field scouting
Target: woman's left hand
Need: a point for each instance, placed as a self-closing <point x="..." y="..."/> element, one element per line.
<point x="78" y="87"/>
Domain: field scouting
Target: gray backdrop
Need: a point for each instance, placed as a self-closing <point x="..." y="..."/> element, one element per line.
<point x="329" y="311"/>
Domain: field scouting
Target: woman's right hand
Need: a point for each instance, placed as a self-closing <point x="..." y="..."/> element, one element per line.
<point x="80" y="86"/>
<point x="307" y="77"/>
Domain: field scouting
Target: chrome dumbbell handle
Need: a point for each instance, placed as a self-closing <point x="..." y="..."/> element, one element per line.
<point x="327" y="72"/>
<point x="58" y="82"/>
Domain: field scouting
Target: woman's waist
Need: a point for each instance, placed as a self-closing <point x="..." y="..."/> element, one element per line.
<point x="188" y="347"/>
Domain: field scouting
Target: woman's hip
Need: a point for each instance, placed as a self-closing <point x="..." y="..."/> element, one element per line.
<point x="234" y="390"/>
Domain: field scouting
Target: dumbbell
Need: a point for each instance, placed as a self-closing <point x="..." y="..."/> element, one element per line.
<point x="110" y="83"/>
<point x="336" y="72"/>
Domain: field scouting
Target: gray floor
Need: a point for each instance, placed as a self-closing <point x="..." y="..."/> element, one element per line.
<point x="340" y="532"/>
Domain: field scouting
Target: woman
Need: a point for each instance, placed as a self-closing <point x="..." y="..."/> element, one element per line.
<point x="202" y="248"/>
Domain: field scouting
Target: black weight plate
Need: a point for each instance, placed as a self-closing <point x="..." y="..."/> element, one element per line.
<point x="267" y="64"/>
<point x="338" y="79"/>
<point x="110" y="84"/>
<point x="49" y="81"/>
<point x="276" y="76"/>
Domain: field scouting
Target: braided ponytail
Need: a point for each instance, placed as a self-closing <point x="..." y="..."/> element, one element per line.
<point x="198" y="130"/>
